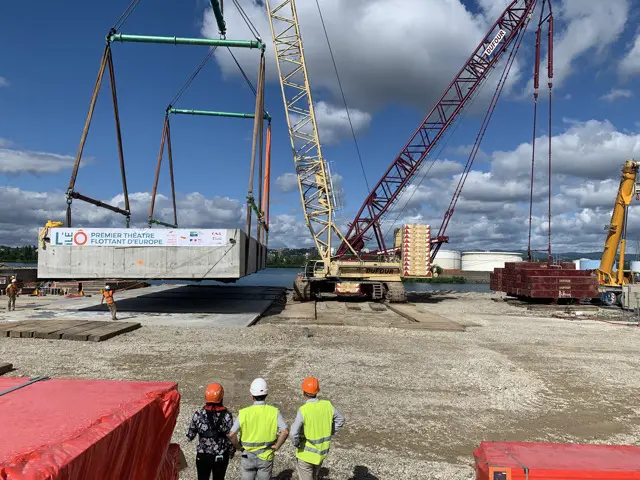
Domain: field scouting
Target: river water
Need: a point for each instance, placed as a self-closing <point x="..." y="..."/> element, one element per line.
<point x="284" y="277"/>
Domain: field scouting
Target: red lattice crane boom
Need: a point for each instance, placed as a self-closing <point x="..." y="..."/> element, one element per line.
<point x="501" y="35"/>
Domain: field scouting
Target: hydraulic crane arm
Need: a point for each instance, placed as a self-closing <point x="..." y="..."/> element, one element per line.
<point x="617" y="229"/>
<point x="407" y="163"/>
<point x="314" y="179"/>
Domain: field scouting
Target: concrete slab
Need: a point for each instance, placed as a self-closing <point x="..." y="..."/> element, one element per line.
<point x="200" y="306"/>
<point x="149" y="253"/>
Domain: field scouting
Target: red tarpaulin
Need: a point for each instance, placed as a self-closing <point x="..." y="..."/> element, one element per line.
<point x="86" y="429"/>
<point x="551" y="461"/>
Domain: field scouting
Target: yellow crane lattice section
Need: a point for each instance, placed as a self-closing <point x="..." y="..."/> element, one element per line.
<point x="314" y="179"/>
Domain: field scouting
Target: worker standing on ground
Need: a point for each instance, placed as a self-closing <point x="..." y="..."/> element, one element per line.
<point x="212" y="424"/>
<point x="108" y="296"/>
<point x="262" y="431"/>
<point x="316" y="422"/>
<point x="12" y="293"/>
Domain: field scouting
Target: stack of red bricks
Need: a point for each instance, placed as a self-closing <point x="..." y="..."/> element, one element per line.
<point x="544" y="280"/>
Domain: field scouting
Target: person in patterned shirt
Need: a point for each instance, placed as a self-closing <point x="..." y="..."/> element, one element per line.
<point x="212" y="424"/>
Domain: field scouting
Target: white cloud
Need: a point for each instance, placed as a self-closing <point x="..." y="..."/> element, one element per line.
<point x="25" y="212"/>
<point x="288" y="231"/>
<point x="287" y="182"/>
<point x="592" y="149"/>
<point x="14" y="161"/>
<point x="443" y="168"/>
<point x="493" y="211"/>
<point x="581" y="28"/>
<point x="333" y="122"/>
<point x="370" y="44"/>
<point x="5" y="143"/>
<point x="616" y="94"/>
<point x="4" y="82"/>
<point x="630" y="64"/>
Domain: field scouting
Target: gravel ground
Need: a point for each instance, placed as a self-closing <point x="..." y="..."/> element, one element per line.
<point x="417" y="402"/>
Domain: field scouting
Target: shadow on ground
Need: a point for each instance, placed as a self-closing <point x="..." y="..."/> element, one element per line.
<point x="428" y="297"/>
<point x="359" y="473"/>
<point x="204" y="299"/>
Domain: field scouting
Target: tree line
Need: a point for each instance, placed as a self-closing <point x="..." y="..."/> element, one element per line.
<point x="290" y="257"/>
<point x="25" y="254"/>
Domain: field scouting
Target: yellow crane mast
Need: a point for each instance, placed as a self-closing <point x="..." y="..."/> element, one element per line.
<point x="371" y="278"/>
<point x="611" y="282"/>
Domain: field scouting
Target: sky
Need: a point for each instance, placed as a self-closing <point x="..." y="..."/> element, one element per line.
<point x="393" y="62"/>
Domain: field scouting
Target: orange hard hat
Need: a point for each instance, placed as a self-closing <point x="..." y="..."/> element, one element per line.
<point x="311" y="385"/>
<point x="214" y="393"/>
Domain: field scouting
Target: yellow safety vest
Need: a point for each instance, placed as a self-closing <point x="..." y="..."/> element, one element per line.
<point x="318" y="425"/>
<point x="259" y="430"/>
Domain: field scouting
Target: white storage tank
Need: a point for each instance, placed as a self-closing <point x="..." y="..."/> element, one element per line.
<point x="589" y="264"/>
<point x="487" y="261"/>
<point x="579" y="263"/>
<point x="448" y="259"/>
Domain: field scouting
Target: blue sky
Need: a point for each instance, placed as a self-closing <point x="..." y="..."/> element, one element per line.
<point x="49" y="78"/>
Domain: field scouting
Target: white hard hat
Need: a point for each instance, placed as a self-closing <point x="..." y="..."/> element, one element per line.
<point x="259" y="387"/>
<point x="107" y="287"/>
<point x="13" y="281"/>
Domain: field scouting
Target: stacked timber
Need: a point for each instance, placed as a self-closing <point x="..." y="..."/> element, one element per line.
<point x="544" y="280"/>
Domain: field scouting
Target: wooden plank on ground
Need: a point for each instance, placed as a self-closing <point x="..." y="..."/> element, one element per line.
<point x="111" y="330"/>
<point x="71" y="332"/>
<point x="377" y="307"/>
<point x="69" y="324"/>
<point x="95" y="331"/>
<point x="49" y="326"/>
<point x="23" y="328"/>
<point x="5" y="367"/>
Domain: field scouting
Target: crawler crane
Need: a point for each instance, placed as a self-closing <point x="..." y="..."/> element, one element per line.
<point x="350" y="271"/>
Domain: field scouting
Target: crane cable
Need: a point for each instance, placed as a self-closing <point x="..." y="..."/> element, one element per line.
<point x="247" y="20"/>
<point x="467" y="106"/>
<point x="253" y="89"/>
<point x="192" y="77"/>
<point x="125" y="15"/>
<point x="344" y="99"/>
<point x="449" y="135"/>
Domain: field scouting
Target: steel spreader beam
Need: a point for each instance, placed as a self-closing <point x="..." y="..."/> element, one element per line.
<point x="209" y="42"/>
<point x="407" y="163"/>
<point x="182" y="111"/>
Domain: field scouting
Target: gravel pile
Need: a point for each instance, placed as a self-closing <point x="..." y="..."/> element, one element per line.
<point x="417" y="402"/>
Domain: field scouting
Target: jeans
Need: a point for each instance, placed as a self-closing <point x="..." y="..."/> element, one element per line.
<point x="206" y="466"/>
<point x="254" y="468"/>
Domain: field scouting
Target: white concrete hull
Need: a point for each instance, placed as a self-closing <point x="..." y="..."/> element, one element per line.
<point x="239" y="257"/>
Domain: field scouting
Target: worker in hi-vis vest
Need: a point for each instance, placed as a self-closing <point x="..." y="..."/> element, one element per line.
<point x="316" y="422"/>
<point x="261" y="431"/>
<point x="111" y="304"/>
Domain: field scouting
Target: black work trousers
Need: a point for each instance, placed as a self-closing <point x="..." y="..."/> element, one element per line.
<point x="207" y="466"/>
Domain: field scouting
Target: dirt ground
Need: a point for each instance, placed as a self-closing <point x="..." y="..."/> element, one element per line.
<point x="417" y="401"/>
